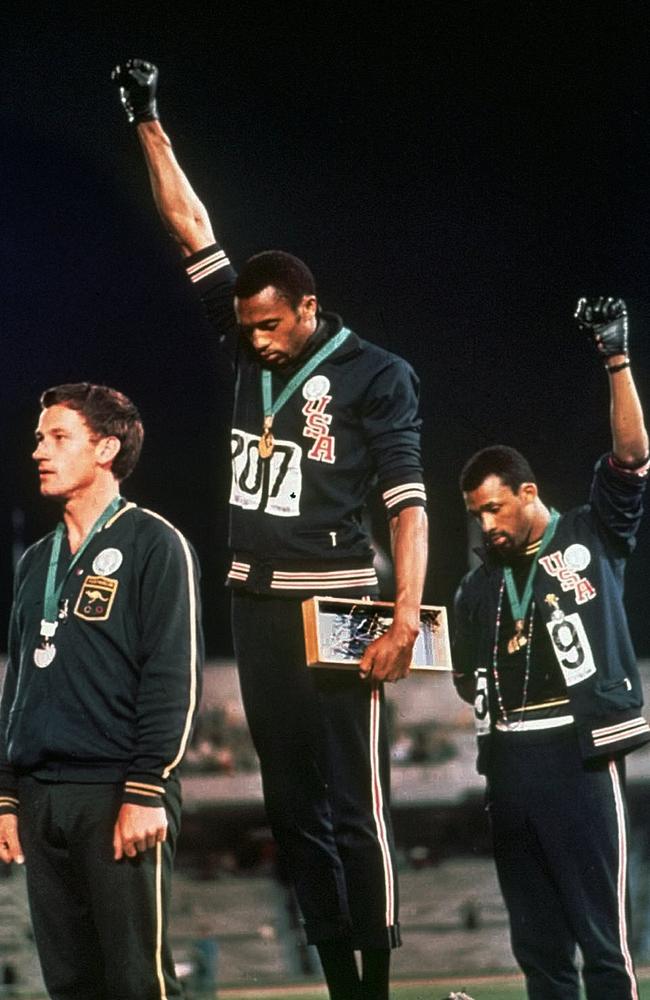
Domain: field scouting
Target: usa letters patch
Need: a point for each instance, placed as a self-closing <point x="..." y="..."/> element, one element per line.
<point x="317" y="426"/>
<point x="96" y="598"/>
<point x="564" y="570"/>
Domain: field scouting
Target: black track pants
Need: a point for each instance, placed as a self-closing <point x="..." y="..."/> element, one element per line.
<point x="100" y="925"/>
<point x="322" y="741"/>
<point x="560" y="844"/>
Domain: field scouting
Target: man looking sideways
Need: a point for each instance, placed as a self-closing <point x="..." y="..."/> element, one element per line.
<point x="100" y="691"/>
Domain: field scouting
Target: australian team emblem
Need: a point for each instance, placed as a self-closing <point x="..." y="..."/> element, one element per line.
<point x="96" y="598"/>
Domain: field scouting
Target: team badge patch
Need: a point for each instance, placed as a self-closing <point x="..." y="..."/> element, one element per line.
<point x="577" y="557"/>
<point x="107" y="562"/>
<point x="316" y="387"/>
<point x="96" y="598"/>
<point x="317" y="426"/>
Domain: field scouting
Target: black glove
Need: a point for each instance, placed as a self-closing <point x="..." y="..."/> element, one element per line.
<point x="137" y="80"/>
<point x="605" y="322"/>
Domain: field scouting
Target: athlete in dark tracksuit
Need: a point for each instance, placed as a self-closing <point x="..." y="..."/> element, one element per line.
<point x="308" y="443"/>
<point x="557" y="694"/>
<point x="95" y="717"/>
<point x="296" y="531"/>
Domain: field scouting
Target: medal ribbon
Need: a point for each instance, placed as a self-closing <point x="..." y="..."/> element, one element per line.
<point x="270" y="407"/>
<point x="52" y="591"/>
<point x="519" y="607"/>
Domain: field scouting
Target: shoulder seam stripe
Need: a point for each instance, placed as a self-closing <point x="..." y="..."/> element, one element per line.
<point x="129" y="506"/>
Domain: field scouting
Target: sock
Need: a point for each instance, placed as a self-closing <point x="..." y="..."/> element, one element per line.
<point x="375" y="963"/>
<point x="340" y="968"/>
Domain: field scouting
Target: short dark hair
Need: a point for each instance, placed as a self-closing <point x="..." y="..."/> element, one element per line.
<point x="108" y="413"/>
<point x="288" y="274"/>
<point x="498" y="460"/>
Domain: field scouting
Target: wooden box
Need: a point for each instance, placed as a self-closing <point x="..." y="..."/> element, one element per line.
<point x="337" y="631"/>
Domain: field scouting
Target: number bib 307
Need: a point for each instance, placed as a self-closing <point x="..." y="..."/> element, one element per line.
<point x="272" y="484"/>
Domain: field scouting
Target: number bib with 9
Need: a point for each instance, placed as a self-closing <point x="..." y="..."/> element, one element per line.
<point x="572" y="649"/>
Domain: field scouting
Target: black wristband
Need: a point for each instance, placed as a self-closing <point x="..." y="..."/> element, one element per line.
<point x="612" y="369"/>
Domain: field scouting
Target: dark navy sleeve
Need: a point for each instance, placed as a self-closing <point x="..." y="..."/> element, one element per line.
<point x="617" y="499"/>
<point x="213" y="278"/>
<point x="8" y="779"/>
<point x="171" y="659"/>
<point x="392" y="428"/>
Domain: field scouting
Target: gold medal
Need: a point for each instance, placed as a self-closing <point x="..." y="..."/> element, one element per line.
<point x="518" y="640"/>
<point x="265" y="443"/>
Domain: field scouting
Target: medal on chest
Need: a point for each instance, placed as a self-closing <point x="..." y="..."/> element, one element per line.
<point x="270" y="406"/>
<point x="518" y="640"/>
<point x="520" y="608"/>
<point x="266" y="442"/>
<point x="46" y="650"/>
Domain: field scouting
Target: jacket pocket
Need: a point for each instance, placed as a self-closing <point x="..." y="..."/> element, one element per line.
<point x="617" y="692"/>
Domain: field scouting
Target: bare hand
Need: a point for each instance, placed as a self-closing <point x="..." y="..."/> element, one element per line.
<point x="389" y="657"/>
<point x="137" y="829"/>
<point x="10" y="849"/>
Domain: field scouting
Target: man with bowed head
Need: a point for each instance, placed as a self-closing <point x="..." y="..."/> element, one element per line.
<point x="319" y="415"/>
<point x="100" y="691"/>
<point x="543" y="650"/>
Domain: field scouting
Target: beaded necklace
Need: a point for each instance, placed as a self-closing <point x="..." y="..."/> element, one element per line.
<point x="495" y="659"/>
<point x="520" y="608"/>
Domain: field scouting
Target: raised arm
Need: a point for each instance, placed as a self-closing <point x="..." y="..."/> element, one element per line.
<point x="605" y="322"/>
<point x="183" y="214"/>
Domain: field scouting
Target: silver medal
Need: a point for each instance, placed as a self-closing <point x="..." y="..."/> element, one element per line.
<point x="43" y="655"/>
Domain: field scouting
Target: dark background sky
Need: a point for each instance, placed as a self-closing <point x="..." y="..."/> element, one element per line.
<point x="457" y="175"/>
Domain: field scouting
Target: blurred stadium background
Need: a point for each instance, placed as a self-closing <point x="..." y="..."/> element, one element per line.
<point x="235" y="927"/>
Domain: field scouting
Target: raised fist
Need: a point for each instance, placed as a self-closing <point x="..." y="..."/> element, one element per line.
<point x="605" y="322"/>
<point x="137" y="80"/>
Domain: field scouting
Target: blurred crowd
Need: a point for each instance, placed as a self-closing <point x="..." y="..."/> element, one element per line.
<point x="221" y="743"/>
